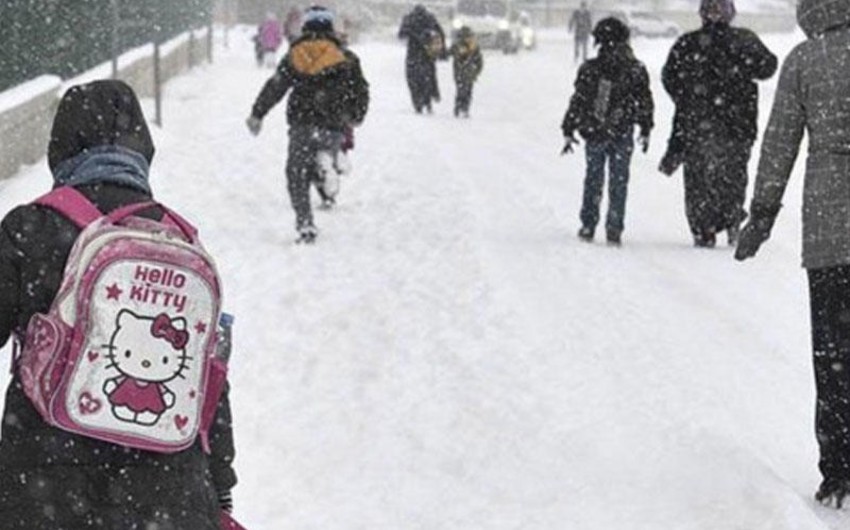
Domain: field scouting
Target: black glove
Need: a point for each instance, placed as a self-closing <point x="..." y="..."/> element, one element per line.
<point x="569" y="142"/>
<point x="225" y="501"/>
<point x="755" y="232"/>
<point x="254" y="124"/>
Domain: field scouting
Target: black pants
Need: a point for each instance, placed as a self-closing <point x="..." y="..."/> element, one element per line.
<point x="301" y="169"/>
<point x="830" y="307"/>
<point x="716" y="185"/>
<point x="422" y="82"/>
<point x="463" y="98"/>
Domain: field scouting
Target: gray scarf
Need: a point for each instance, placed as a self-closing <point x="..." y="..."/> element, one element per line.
<point x="109" y="164"/>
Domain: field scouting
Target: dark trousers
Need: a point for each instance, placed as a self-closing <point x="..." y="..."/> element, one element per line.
<point x="422" y="82"/>
<point x="618" y="154"/>
<point x="829" y="291"/>
<point x="463" y="98"/>
<point x="301" y="168"/>
<point x="716" y="185"/>
<point x="581" y="47"/>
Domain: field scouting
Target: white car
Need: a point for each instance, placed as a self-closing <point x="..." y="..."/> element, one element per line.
<point x="494" y="22"/>
<point x="643" y="24"/>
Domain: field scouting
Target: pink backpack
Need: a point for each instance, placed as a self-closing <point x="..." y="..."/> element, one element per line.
<point x="127" y="351"/>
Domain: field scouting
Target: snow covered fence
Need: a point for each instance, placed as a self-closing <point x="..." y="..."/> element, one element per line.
<point x="26" y="111"/>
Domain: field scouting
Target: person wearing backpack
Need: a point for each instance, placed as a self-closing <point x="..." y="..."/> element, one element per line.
<point x="711" y="76"/>
<point x="612" y="95"/>
<point x="56" y="476"/>
<point x="328" y="94"/>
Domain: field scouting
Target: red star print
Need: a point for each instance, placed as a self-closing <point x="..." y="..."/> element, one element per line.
<point x="113" y="292"/>
<point x="200" y="327"/>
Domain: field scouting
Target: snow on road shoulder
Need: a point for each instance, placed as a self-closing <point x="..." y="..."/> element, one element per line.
<point x="449" y="356"/>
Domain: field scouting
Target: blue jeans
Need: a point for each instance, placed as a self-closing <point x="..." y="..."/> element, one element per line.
<point x="618" y="154"/>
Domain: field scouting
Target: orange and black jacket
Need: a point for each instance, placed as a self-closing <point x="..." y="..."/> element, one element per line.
<point x="327" y="84"/>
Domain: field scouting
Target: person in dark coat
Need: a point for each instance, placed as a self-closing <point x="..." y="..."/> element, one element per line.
<point x="51" y="479"/>
<point x="328" y="94"/>
<point x="467" y="63"/>
<point x="425" y="44"/>
<point x="580" y="25"/>
<point x="710" y="75"/>
<point x="612" y="95"/>
<point x="812" y="88"/>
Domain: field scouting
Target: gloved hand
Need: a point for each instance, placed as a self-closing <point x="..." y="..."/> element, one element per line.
<point x="755" y="232"/>
<point x="254" y="125"/>
<point x="569" y="142"/>
<point x="643" y="141"/>
<point x="225" y="501"/>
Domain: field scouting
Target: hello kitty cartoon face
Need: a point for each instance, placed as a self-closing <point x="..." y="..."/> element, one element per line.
<point x="151" y="349"/>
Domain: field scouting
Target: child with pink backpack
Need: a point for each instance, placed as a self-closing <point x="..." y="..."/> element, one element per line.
<point x="117" y="416"/>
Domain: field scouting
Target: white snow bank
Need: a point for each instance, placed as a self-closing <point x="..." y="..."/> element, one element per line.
<point x="21" y="94"/>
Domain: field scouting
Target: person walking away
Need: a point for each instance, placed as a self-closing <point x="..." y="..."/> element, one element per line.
<point x="467" y="63"/>
<point x="611" y="96"/>
<point x="580" y="25"/>
<point x="425" y="44"/>
<point x="327" y="94"/>
<point x="292" y="25"/>
<point x="811" y="92"/>
<point x="100" y="152"/>
<point x="711" y="76"/>
<point x="270" y="37"/>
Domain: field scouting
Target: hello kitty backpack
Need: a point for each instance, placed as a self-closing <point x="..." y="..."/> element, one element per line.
<point x="127" y="351"/>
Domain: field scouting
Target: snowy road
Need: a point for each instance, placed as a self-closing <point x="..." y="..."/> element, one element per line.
<point x="449" y="356"/>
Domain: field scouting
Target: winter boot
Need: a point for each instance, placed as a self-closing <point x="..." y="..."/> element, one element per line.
<point x="613" y="238"/>
<point x="328" y="173"/>
<point x="832" y="492"/>
<point x="307" y="235"/>
<point x="585" y="233"/>
<point x="705" y="239"/>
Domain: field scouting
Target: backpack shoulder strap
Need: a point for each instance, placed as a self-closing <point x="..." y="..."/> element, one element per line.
<point x="72" y="204"/>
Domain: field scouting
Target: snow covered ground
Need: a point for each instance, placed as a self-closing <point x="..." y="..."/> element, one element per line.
<point x="450" y="357"/>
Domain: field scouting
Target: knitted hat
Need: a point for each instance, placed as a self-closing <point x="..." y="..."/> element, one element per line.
<point x="717" y="11"/>
<point x="318" y="19"/>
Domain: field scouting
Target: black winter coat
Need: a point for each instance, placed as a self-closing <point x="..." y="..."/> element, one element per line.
<point x="51" y="479"/>
<point x="467" y="61"/>
<point x="328" y="87"/>
<point x="710" y="75"/>
<point x="612" y="95"/>
<point x="419" y="28"/>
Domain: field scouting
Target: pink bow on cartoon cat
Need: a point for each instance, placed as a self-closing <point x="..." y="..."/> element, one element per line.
<point x="163" y="329"/>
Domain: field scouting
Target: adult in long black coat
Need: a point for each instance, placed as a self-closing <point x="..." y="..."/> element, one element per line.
<point x="51" y="479"/>
<point x="710" y="74"/>
<point x="425" y="44"/>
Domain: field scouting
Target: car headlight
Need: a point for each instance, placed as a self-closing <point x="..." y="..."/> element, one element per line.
<point x="504" y="24"/>
<point x="457" y="23"/>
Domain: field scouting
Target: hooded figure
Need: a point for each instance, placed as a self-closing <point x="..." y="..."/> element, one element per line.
<point x="327" y="95"/>
<point x="811" y="97"/>
<point x="612" y="96"/>
<point x="425" y="44"/>
<point x="710" y="74"/>
<point x="101" y="146"/>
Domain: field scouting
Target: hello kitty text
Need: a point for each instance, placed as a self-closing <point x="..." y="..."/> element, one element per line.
<point x="159" y="287"/>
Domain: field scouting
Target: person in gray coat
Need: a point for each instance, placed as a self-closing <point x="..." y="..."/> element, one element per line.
<point x="812" y="96"/>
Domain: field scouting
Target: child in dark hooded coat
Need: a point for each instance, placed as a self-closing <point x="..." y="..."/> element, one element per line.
<point x="49" y="478"/>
